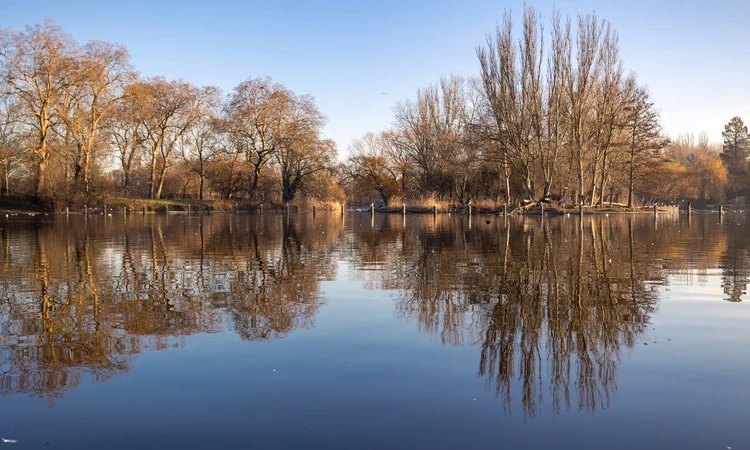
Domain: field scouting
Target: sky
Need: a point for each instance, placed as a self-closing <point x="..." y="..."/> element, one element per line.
<point x="359" y="58"/>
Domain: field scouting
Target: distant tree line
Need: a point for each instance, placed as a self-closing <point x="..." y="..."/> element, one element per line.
<point x="552" y="116"/>
<point x="77" y="121"/>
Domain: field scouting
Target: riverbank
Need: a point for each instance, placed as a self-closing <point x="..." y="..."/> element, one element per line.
<point x="135" y="205"/>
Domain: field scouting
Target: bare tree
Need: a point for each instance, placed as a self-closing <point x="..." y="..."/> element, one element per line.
<point x="612" y="93"/>
<point x="430" y="132"/>
<point x="254" y="114"/>
<point x="644" y="138"/>
<point x="203" y="143"/>
<point x="371" y="169"/>
<point x="38" y="65"/>
<point x="126" y="133"/>
<point x="102" y="73"/>
<point x="11" y="145"/>
<point x="302" y="152"/>
<point x="170" y="109"/>
<point x="514" y="92"/>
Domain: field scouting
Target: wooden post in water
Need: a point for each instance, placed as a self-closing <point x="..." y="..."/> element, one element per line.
<point x="166" y="209"/>
<point x="85" y="210"/>
<point x="689" y="209"/>
<point x="721" y="210"/>
<point x="342" y="209"/>
<point x="505" y="209"/>
<point x="403" y="209"/>
<point x="656" y="211"/>
<point x="434" y="210"/>
<point x="67" y="211"/>
<point x="144" y="210"/>
<point x="188" y="209"/>
<point x="372" y="209"/>
<point x="313" y="210"/>
<point x="469" y="212"/>
<point x="261" y="208"/>
<point x="541" y="205"/>
<point x="124" y="210"/>
<point x="580" y="208"/>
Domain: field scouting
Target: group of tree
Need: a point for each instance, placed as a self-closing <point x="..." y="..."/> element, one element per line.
<point x="551" y="116"/>
<point x="77" y="121"/>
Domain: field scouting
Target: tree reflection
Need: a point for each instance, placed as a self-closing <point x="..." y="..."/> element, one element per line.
<point x="89" y="295"/>
<point x="550" y="307"/>
<point x="735" y="265"/>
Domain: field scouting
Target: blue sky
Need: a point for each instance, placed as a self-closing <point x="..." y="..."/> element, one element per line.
<point x="693" y="55"/>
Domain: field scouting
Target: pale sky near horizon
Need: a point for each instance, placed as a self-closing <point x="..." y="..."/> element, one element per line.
<point x="358" y="58"/>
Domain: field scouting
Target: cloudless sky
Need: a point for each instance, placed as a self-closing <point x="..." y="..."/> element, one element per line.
<point x="358" y="58"/>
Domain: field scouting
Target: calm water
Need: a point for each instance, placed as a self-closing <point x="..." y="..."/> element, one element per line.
<point x="614" y="332"/>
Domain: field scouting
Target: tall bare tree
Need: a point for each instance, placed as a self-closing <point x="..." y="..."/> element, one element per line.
<point x="11" y="144"/>
<point x="203" y="143"/>
<point x="38" y="65"/>
<point x="644" y="137"/>
<point x="102" y="74"/>
<point x="302" y="152"/>
<point x="170" y="109"/>
<point x="370" y="168"/>
<point x="254" y="114"/>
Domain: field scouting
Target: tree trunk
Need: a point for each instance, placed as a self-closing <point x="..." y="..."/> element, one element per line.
<point x="580" y="178"/>
<point x="152" y="178"/>
<point x="289" y="189"/>
<point x="4" y="186"/>
<point x="41" y="175"/>
<point x="85" y="171"/>
<point x="162" y="175"/>
<point x="630" y="180"/>
<point x="126" y="183"/>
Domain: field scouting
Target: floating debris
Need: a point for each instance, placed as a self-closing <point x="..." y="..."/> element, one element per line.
<point x="9" y="441"/>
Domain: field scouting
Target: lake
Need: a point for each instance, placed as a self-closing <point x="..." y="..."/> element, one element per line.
<point x="384" y="332"/>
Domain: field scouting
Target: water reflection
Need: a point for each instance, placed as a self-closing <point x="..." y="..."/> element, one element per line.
<point x="87" y="295"/>
<point x="551" y="307"/>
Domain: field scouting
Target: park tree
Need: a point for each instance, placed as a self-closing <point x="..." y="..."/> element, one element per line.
<point x="170" y="108"/>
<point x="643" y="139"/>
<point x="126" y="134"/>
<point x="512" y="91"/>
<point x="37" y="66"/>
<point x="370" y="168"/>
<point x="302" y="151"/>
<point x="204" y="141"/>
<point x="431" y="132"/>
<point x="571" y="108"/>
<point x="102" y="73"/>
<point x="710" y="177"/>
<point x="253" y="117"/>
<point x="11" y="143"/>
<point x="705" y="175"/>
<point x="735" y="154"/>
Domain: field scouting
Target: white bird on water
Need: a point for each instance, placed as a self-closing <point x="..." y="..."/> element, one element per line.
<point x="9" y="441"/>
